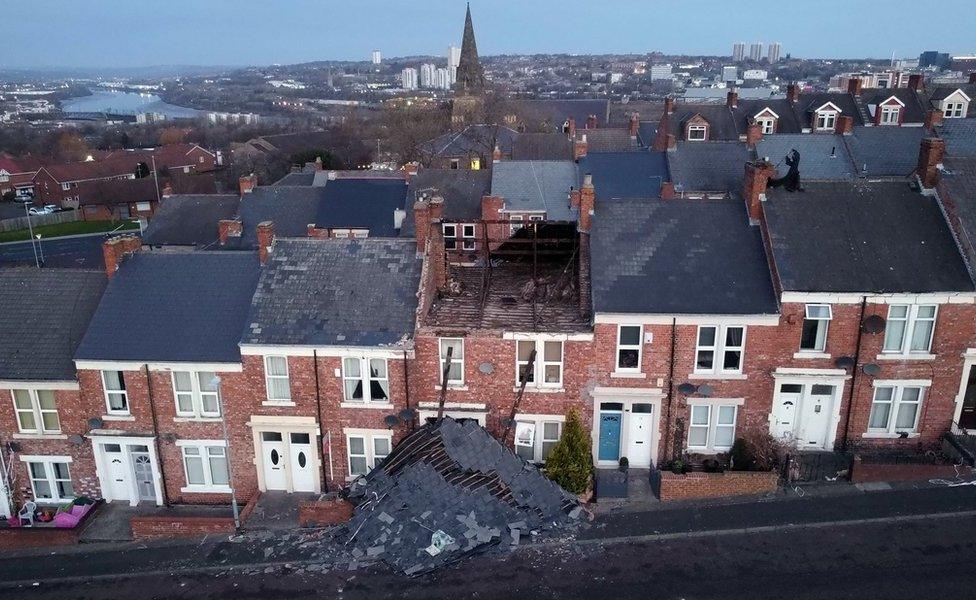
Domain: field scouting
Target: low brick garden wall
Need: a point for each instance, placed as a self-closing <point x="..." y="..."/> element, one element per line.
<point x="153" y="527"/>
<point x="716" y="485"/>
<point x="871" y="471"/>
<point x="324" y="513"/>
<point x="12" y="538"/>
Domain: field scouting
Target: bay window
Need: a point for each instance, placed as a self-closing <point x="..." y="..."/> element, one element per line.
<point x="365" y="379"/>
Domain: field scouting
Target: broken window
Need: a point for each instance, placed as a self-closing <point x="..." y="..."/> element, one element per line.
<point x="455" y="375"/>
<point x="535" y="437"/>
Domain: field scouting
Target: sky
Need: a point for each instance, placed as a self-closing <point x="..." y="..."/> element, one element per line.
<point x="136" y="33"/>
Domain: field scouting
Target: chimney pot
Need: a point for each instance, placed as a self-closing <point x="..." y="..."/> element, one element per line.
<point x="634" y="125"/>
<point x="266" y="237"/>
<point x="496" y="154"/>
<point x="580" y="147"/>
<point x="669" y="105"/>
<point x="667" y="190"/>
<point x="915" y="81"/>
<point x="591" y="122"/>
<point x="247" y="183"/>
<point x="228" y="228"/>
<point x="793" y="92"/>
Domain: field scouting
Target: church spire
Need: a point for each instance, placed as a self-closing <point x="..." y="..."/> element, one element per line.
<point x="470" y="76"/>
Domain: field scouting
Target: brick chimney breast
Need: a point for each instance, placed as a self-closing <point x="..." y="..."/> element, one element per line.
<point x="916" y="82"/>
<point x="793" y="92"/>
<point x="933" y="118"/>
<point x="758" y="174"/>
<point x="266" y="237"/>
<point x="845" y="125"/>
<point x="587" y="203"/>
<point x="634" y="125"/>
<point x="248" y="183"/>
<point x="854" y="86"/>
<point x="930" y="155"/>
<point x="115" y="250"/>
<point x="228" y="228"/>
<point x="591" y="122"/>
<point x="732" y="99"/>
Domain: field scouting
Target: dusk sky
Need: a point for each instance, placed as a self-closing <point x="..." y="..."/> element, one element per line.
<point x="124" y="33"/>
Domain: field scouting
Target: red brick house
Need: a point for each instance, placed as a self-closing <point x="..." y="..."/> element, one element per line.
<point x="17" y="173"/>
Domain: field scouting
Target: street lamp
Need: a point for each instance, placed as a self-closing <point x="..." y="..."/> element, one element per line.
<point x="40" y="247"/>
<point x="230" y="473"/>
<point x="30" y="230"/>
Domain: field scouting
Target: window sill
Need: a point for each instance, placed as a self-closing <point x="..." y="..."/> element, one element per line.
<point x="626" y="375"/>
<point x="192" y="489"/>
<point x="810" y="354"/>
<point x="710" y="451"/>
<point x="707" y="376"/>
<point x="881" y="435"/>
<point x="39" y="436"/>
<point x="118" y="418"/>
<point x="541" y="390"/>
<point x="281" y="403"/>
<point x="367" y="405"/>
<point x="452" y="387"/>
<point x="896" y="356"/>
<point x="197" y="419"/>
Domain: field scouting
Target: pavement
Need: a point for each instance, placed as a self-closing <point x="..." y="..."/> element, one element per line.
<point x="898" y="543"/>
<point x="76" y="251"/>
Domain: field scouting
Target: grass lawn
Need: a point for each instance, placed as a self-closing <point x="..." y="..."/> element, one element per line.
<point x="73" y="228"/>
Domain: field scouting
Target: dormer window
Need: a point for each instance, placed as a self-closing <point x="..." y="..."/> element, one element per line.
<point x="766" y="119"/>
<point x="955" y="105"/>
<point x="826" y="120"/>
<point x="889" y="115"/>
<point x="887" y="112"/>
<point x="697" y="133"/>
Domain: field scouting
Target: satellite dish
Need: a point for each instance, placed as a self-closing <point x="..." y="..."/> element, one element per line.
<point x="871" y="369"/>
<point x="14" y="446"/>
<point x="873" y="324"/>
<point x="169" y="437"/>
<point x="687" y="388"/>
<point x="844" y="362"/>
<point x="77" y="440"/>
<point x="487" y="368"/>
<point x="391" y="420"/>
<point x="705" y="390"/>
<point x="406" y="415"/>
<point x="95" y="423"/>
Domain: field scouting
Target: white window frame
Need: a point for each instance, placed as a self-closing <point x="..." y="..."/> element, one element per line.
<point x="823" y="326"/>
<point x="123" y="392"/>
<point x="695" y="129"/>
<point x="514" y="227"/>
<point x="767" y="125"/>
<point x="539" y="368"/>
<point x="268" y="377"/>
<point x="365" y="380"/>
<point x="719" y="349"/>
<point x="450" y="235"/>
<point x="66" y="186"/>
<point x="455" y="360"/>
<point x="50" y="477"/>
<point x="889" y="115"/>
<point x="826" y="120"/>
<point x="206" y="451"/>
<point x="911" y="320"/>
<point x="896" y="402"/>
<point x="712" y="411"/>
<point x="954" y="110"/>
<point x="535" y="425"/>
<point x="467" y="239"/>
<point x="369" y="447"/>
<point x="639" y="347"/>
<point x="36" y="412"/>
<point x="196" y="394"/>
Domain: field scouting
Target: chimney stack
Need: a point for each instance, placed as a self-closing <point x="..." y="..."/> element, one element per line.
<point x="266" y="237"/>
<point x="793" y="92"/>
<point x="758" y="174"/>
<point x="972" y="77"/>
<point x="427" y="212"/>
<point x="228" y="228"/>
<point x="591" y="122"/>
<point x="753" y="134"/>
<point x="732" y="99"/>
<point x="854" y="86"/>
<point x="915" y="82"/>
<point x="669" y="105"/>
<point x="579" y="147"/>
<point x="667" y="190"/>
<point x="672" y="143"/>
<point x="634" y="125"/>
<point x="248" y="183"/>
<point x="115" y="250"/>
<point x="318" y="163"/>
<point x="587" y="203"/>
<point x="574" y="198"/>
<point x="167" y="190"/>
<point x="496" y="154"/>
<point x="930" y="156"/>
<point x="933" y="118"/>
<point x="845" y="125"/>
<point x="571" y="128"/>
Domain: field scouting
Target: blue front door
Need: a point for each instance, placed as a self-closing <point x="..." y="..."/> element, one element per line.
<point x="609" y="436"/>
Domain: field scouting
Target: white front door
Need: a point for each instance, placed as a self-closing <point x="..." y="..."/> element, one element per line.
<point x="120" y="488"/>
<point x="302" y="471"/>
<point x="815" y="417"/>
<point x="640" y="435"/>
<point x="784" y="411"/>
<point x="273" y="450"/>
<point x="4" y="496"/>
<point x="145" y="479"/>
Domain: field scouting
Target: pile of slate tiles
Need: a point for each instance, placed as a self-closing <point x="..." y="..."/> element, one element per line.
<point x="454" y="478"/>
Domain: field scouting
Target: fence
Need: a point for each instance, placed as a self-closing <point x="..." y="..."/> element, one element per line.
<point x="64" y="216"/>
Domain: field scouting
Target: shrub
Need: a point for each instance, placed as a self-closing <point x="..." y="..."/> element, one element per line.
<point x="757" y="450"/>
<point x="570" y="463"/>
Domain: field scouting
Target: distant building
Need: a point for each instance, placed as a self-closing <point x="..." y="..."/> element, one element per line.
<point x="755" y="74"/>
<point x="773" y="54"/>
<point x="964" y="64"/>
<point x="934" y="58"/>
<point x="377" y="57"/>
<point x="659" y="72"/>
<point x="427" y="71"/>
<point x="755" y="51"/>
<point x="738" y="51"/>
<point x="150" y="117"/>
<point x="442" y="78"/>
<point x="453" y="60"/>
<point x="408" y="78"/>
<point x="730" y="74"/>
<point x="615" y="78"/>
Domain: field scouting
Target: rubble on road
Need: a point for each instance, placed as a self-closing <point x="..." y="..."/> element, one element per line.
<point x="449" y="489"/>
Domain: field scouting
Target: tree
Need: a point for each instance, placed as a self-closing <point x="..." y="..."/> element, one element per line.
<point x="71" y="147"/>
<point x="171" y="135"/>
<point x="570" y="463"/>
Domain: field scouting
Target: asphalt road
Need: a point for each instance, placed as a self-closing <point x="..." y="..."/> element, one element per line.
<point x="920" y="554"/>
<point x="79" y="252"/>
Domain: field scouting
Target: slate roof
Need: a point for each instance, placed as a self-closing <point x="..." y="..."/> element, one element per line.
<point x="45" y="314"/>
<point x="296" y="179"/>
<point x="914" y="111"/>
<point x="885" y="151"/>
<point x="678" y="257"/>
<point x="288" y="144"/>
<point x="936" y="94"/>
<point x="721" y="124"/>
<point x="362" y="203"/>
<point x="291" y="208"/>
<point x="607" y="140"/>
<point x="473" y="139"/>
<point x="823" y="157"/>
<point x="462" y="190"/>
<point x="959" y="181"/>
<point x="556" y="112"/>
<point x="625" y="174"/>
<point x="810" y="101"/>
<point x="708" y="166"/>
<point x="334" y="292"/>
<point x="189" y="220"/>
<point x="862" y="237"/>
<point x="646" y="132"/>
<point x="536" y="185"/>
<point x="748" y="109"/>
<point x="959" y="135"/>
<point x="542" y="146"/>
<point x="173" y="307"/>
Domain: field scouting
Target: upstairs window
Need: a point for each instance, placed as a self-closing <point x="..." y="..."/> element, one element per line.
<point x="826" y="120"/>
<point x="467" y="234"/>
<point x="365" y="380"/>
<point x="815" y="323"/>
<point x="196" y="394"/>
<point x="548" y="368"/>
<point x="629" y="348"/>
<point x="953" y="110"/>
<point x="116" y="397"/>
<point x="719" y="349"/>
<point x="450" y="236"/>
<point x="276" y="379"/>
<point x="767" y="125"/>
<point x="909" y="328"/>
<point x="889" y="115"/>
<point x="36" y="411"/>
<point x="697" y="133"/>
<point x="455" y="376"/>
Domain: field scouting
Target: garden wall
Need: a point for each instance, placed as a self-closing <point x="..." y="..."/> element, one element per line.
<point x="324" y="513"/>
<point x="716" y="485"/>
<point x="866" y="472"/>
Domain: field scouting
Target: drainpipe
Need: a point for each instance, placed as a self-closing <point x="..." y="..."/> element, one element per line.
<point x="667" y="425"/>
<point x="159" y="451"/>
<point x="857" y="356"/>
<point x="318" y="405"/>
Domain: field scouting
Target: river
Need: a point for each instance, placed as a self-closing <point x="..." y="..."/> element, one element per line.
<point x="125" y="103"/>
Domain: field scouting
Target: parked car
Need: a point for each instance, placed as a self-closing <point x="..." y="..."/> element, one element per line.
<point x="44" y="210"/>
<point x="25" y="198"/>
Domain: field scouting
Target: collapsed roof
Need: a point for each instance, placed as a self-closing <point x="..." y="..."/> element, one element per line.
<point x="453" y="488"/>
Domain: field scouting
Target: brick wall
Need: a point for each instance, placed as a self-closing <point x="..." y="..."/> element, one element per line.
<point x="716" y="485"/>
<point x="161" y="527"/>
<point x="863" y="472"/>
<point x="324" y="513"/>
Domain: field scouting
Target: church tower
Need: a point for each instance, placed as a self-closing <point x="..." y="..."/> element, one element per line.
<point x="470" y="76"/>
